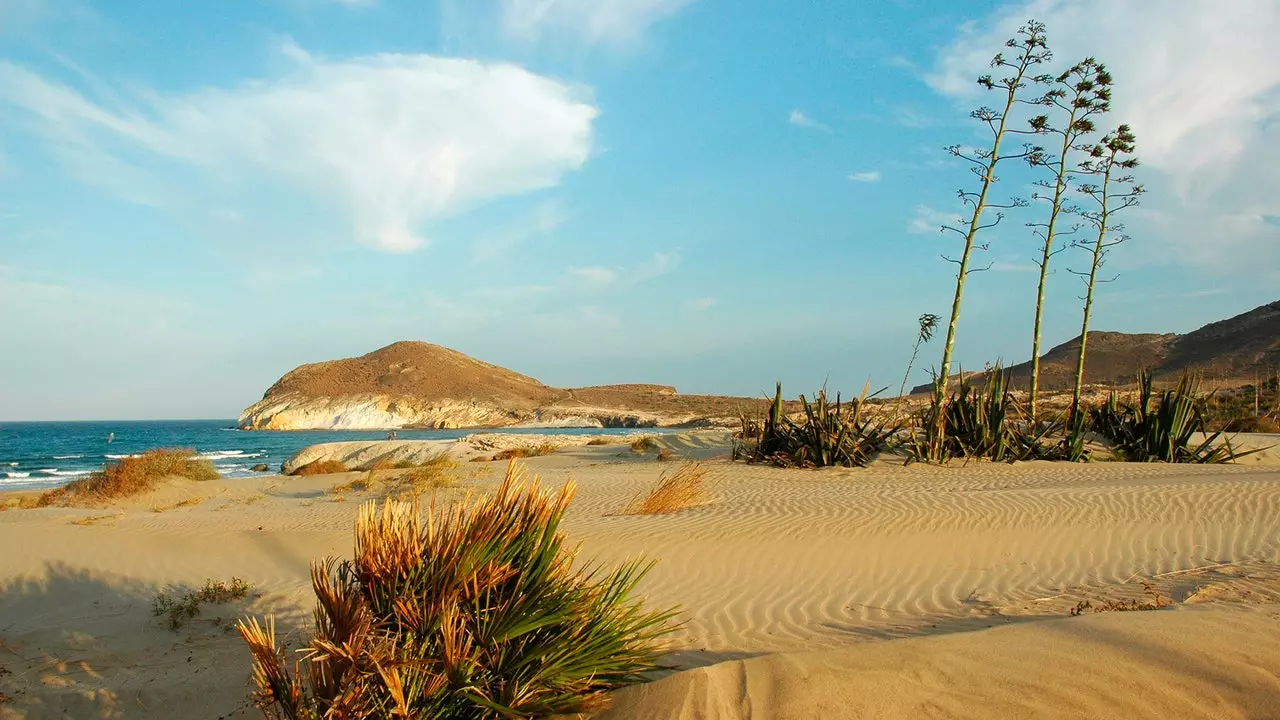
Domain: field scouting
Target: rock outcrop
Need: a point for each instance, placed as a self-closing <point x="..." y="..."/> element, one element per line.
<point x="419" y="385"/>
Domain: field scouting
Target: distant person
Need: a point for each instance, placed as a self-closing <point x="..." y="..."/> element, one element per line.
<point x="110" y="437"/>
<point x="390" y="434"/>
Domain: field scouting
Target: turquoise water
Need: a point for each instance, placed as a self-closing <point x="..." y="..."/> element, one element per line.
<point x="47" y="454"/>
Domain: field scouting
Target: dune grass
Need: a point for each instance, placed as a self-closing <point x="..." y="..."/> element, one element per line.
<point x="320" y="467"/>
<point x="599" y="441"/>
<point x="479" y="612"/>
<point x="177" y="609"/>
<point x="674" y="491"/>
<point x="130" y="476"/>
<point x="527" y="451"/>
<point x="642" y="445"/>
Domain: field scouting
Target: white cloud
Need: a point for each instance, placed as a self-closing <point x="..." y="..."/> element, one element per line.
<point x="925" y="220"/>
<point x="702" y="303"/>
<point x="391" y="140"/>
<point x="799" y="119"/>
<point x="866" y="177"/>
<point x="1200" y="84"/>
<point x="595" y="275"/>
<point x="595" y="21"/>
<point x="660" y="263"/>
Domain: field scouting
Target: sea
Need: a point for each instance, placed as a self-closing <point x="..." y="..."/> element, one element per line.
<point x="40" y="455"/>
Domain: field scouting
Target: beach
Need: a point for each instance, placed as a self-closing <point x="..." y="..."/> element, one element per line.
<point x="889" y="591"/>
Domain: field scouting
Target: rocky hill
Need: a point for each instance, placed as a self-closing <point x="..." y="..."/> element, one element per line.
<point x="1228" y="352"/>
<point x="416" y="384"/>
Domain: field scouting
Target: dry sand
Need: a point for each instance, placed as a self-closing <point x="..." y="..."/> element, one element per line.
<point x="833" y="593"/>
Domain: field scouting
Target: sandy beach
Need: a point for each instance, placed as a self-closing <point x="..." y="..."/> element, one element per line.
<point x="889" y="591"/>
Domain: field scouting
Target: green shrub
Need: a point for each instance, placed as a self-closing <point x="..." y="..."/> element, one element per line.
<point x="986" y="423"/>
<point x="178" y="609"/>
<point x="831" y="433"/>
<point x="1161" y="429"/>
<point x="480" y="613"/>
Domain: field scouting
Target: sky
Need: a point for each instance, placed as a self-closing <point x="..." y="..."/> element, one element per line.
<point x="196" y="198"/>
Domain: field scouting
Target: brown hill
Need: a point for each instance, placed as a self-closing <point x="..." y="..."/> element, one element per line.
<point x="420" y="384"/>
<point x="1228" y="352"/>
<point x="419" y="370"/>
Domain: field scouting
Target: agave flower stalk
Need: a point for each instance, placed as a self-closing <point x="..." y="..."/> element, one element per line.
<point x="1111" y="161"/>
<point x="1080" y="93"/>
<point x="1031" y="49"/>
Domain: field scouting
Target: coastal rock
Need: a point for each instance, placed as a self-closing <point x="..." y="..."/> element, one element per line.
<point x="260" y="467"/>
<point x="418" y="385"/>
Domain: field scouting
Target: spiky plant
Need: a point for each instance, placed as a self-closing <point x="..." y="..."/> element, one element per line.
<point x="1162" y="429"/>
<point x="1031" y="49"/>
<point x="477" y="614"/>
<point x="985" y="423"/>
<point x="831" y="434"/>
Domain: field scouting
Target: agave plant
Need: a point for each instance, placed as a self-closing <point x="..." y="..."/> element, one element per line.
<point x="478" y="614"/>
<point x="1164" y="429"/>
<point x="831" y="434"/>
<point x="982" y="423"/>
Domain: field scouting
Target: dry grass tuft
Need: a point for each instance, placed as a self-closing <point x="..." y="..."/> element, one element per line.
<point x="600" y="441"/>
<point x="95" y="519"/>
<point x="358" y="485"/>
<point x="178" y="609"/>
<point x="525" y="452"/>
<point x="478" y="612"/>
<point x="129" y="477"/>
<point x="644" y="444"/>
<point x="380" y="464"/>
<point x="681" y="489"/>
<point x="189" y="502"/>
<point x="320" y="467"/>
<point x="665" y="455"/>
<point x="1154" y="601"/>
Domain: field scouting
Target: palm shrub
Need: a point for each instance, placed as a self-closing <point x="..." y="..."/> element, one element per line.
<point x="830" y="434"/>
<point x="1163" y="429"/>
<point x="478" y="614"/>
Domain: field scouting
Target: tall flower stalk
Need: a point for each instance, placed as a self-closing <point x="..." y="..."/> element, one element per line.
<point x="1111" y="161"/>
<point x="1080" y="93"/>
<point x="1029" y="49"/>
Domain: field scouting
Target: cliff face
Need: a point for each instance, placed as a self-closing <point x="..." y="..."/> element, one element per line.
<point x="412" y="384"/>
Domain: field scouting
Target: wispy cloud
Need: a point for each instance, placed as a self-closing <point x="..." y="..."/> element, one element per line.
<point x="545" y="218"/>
<point x="869" y="176"/>
<point x="595" y="274"/>
<point x="799" y="119"/>
<point x="925" y="220"/>
<point x="1200" y="84"/>
<point x="701" y="304"/>
<point x="593" y="21"/>
<point x="391" y="140"/>
<point x="660" y="263"/>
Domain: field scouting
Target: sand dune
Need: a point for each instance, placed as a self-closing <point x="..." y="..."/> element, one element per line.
<point x="797" y="587"/>
<point x="1194" y="663"/>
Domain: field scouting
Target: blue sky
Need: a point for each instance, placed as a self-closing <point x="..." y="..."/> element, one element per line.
<point x="197" y="197"/>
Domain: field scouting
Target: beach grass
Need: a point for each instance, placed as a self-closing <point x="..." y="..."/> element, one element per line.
<point x="131" y="476"/>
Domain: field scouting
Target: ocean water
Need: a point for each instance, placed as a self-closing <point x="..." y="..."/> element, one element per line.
<point x="36" y="455"/>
